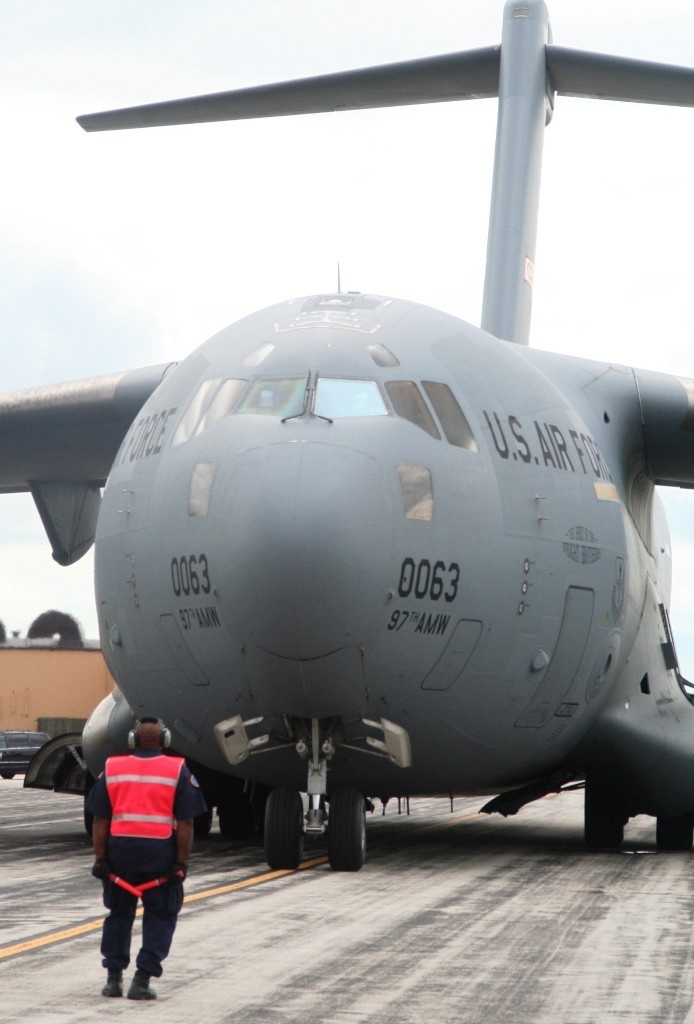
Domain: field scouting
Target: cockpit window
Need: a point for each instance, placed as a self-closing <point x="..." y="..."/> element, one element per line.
<point x="275" y="396"/>
<point x="208" y="404"/>
<point x="382" y="356"/>
<point x="200" y="490"/>
<point x="408" y="402"/>
<point x="341" y="398"/>
<point x="258" y="355"/>
<point x="222" y="403"/>
<point x="417" y="492"/>
<point x="451" y="416"/>
<point x="195" y="410"/>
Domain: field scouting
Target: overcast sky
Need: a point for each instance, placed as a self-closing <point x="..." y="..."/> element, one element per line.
<point x="127" y="249"/>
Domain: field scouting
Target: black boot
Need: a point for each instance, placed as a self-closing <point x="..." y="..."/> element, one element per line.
<point x="139" y="987"/>
<point x="114" y="983"/>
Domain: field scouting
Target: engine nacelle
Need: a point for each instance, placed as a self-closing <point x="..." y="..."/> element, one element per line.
<point x="66" y="762"/>
<point x="106" y="731"/>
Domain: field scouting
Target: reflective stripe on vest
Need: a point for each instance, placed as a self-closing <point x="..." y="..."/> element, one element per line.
<point x="142" y="791"/>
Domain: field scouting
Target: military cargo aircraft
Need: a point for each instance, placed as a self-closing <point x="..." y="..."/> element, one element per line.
<point x="355" y="548"/>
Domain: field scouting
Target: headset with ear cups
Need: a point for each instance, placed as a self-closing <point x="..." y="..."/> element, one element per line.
<point x="164" y="735"/>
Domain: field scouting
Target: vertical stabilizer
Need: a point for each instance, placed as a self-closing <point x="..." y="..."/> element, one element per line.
<point x="524" y="72"/>
<point x="525" y="107"/>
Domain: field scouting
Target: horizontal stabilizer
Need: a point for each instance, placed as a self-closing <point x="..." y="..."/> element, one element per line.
<point x="602" y="77"/>
<point x="525" y="73"/>
<point x="473" y="74"/>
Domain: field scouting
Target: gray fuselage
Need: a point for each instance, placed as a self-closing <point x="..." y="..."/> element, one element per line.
<point x="347" y="508"/>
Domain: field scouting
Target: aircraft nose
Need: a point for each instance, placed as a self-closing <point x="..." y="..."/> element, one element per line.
<point x="307" y="547"/>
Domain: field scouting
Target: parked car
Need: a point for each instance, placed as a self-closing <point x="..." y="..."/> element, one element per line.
<point x="17" y="749"/>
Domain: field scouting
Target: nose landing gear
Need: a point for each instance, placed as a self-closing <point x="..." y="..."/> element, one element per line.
<point x="345" y="822"/>
<point x="284" y="829"/>
<point x="286" y="822"/>
<point x="347" y="830"/>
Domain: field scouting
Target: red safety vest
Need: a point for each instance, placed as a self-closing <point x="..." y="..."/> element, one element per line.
<point x="142" y="791"/>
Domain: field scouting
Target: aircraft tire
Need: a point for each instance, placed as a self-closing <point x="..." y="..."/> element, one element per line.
<point x="604" y="819"/>
<point x="235" y="816"/>
<point x="8" y="775"/>
<point x="346" y="830"/>
<point x="202" y="825"/>
<point x="284" y="829"/>
<point x="242" y="813"/>
<point x="674" y="833"/>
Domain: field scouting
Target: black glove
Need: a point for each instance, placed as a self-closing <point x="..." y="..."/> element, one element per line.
<point x="177" y="873"/>
<point x="101" y="869"/>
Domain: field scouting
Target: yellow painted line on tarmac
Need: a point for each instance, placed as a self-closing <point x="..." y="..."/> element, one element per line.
<point x="246" y="883"/>
<point x="92" y="926"/>
<point x="49" y="940"/>
<point x="439" y="826"/>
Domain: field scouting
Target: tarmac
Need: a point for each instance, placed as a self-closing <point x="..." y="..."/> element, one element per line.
<point x="455" y="917"/>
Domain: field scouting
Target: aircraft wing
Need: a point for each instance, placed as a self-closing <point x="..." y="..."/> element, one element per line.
<point x="667" y="419"/>
<point x="59" y="442"/>
<point x="658" y="438"/>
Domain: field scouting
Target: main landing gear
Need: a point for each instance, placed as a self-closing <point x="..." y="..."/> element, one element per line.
<point x="605" y="819"/>
<point x="344" y="821"/>
<point x="675" y="833"/>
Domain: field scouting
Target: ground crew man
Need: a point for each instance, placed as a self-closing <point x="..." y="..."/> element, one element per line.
<point x="143" y="804"/>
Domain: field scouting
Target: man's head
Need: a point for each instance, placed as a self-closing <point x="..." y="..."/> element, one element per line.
<point x="149" y="734"/>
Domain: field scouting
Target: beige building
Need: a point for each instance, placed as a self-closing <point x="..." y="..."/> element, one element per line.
<point x="52" y="689"/>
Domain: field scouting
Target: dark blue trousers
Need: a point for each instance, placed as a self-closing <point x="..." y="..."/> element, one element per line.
<point x="161" y="907"/>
